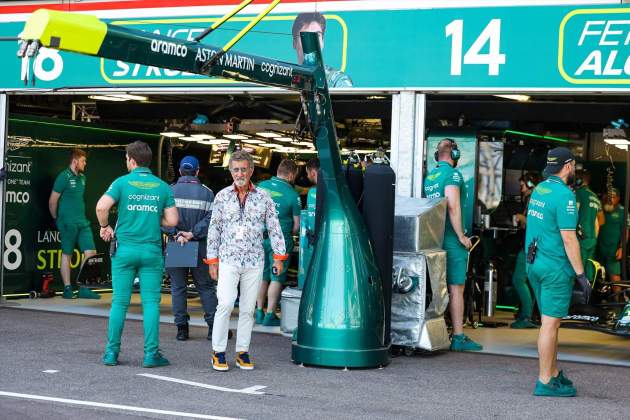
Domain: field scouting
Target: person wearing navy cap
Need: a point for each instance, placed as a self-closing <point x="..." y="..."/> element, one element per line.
<point x="194" y="204"/>
<point x="554" y="264"/>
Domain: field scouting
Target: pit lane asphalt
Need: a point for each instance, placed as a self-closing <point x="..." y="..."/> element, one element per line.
<point x="446" y="385"/>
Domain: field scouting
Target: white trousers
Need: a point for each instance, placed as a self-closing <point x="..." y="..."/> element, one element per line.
<point x="229" y="279"/>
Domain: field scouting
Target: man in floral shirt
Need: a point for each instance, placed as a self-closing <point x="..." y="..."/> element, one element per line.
<point x="235" y="255"/>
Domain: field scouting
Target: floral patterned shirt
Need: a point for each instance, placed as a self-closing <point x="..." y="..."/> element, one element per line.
<point x="235" y="234"/>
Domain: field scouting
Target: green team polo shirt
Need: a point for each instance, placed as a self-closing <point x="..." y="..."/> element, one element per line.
<point x="287" y="202"/>
<point x="588" y="206"/>
<point x="552" y="208"/>
<point x="435" y="184"/>
<point x="142" y="198"/>
<point x="610" y="233"/>
<point x="71" y="207"/>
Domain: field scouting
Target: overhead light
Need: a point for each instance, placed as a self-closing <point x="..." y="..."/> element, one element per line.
<point x="172" y="134"/>
<point x="621" y="146"/>
<point x="107" y="98"/>
<point x="617" y="142"/>
<point x="304" y="143"/>
<point x="284" y="139"/>
<point x="131" y="97"/>
<point x="213" y="142"/>
<point x="236" y="136"/>
<point x="188" y="138"/>
<point x="273" y="145"/>
<point x="203" y="136"/>
<point x="520" y="98"/>
<point x="253" y="141"/>
<point x="118" y="98"/>
<point x="268" y="134"/>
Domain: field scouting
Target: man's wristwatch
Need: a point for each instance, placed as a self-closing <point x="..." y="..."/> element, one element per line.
<point x="104" y="227"/>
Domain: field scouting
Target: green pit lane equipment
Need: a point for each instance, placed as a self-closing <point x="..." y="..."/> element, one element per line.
<point x="341" y="320"/>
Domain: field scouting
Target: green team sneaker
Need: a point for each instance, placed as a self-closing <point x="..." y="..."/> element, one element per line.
<point x="271" y="320"/>
<point x="155" y="360"/>
<point x="562" y="378"/>
<point x="461" y="342"/>
<point x="523" y="324"/>
<point x="554" y="389"/>
<point x="110" y="358"/>
<point x="260" y="316"/>
<point x="85" y="293"/>
<point x="67" y="292"/>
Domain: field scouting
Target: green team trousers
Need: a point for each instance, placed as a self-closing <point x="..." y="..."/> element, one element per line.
<point x="129" y="262"/>
<point x="519" y="281"/>
<point x="587" y="252"/>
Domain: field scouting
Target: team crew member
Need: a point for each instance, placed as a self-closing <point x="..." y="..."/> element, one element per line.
<point x="67" y="208"/>
<point x="553" y="259"/>
<point x="194" y="205"/>
<point x="144" y="203"/>
<point x="312" y="168"/>
<point x="235" y="253"/>
<point x="446" y="181"/>
<point x="519" y="277"/>
<point x="590" y="218"/>
<point x="288" y="207"/>
<point x="609" y="241"/>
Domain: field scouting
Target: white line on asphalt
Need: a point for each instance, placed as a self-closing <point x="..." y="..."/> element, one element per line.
<point x="50" y="371"/>
<point x="252" y="390"/>
<point x="114" y="406"/>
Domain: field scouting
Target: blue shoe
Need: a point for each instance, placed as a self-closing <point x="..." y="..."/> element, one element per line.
<point x="155" y="360"/>
<point x="554" y="389"/>
<point x="461" y="342"/>
<point x="110" y="358"/>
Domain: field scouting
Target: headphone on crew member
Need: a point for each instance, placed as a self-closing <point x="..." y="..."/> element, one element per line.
<point x="455" y="153"/>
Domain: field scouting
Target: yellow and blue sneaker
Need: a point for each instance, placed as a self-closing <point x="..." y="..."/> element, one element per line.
<point x="243" y="361"/>
<point x="219" y="362"/>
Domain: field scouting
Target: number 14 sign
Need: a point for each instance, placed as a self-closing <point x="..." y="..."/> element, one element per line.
<point x="491" y="35"/>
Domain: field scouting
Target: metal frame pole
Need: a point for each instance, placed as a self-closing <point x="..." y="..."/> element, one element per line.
<point x="624" y="231"/>
<point x="4" y="123"/>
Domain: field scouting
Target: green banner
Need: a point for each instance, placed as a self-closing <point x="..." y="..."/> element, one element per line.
<point x="509" y="48"/>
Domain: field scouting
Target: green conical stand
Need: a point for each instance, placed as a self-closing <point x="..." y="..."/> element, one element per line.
<point x="341" y="319"/>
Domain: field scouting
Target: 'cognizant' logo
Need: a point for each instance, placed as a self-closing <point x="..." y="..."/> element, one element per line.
<point x="169" y="48"/>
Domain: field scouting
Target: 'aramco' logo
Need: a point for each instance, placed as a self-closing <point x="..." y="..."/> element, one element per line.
<point x="169" y="48"/>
